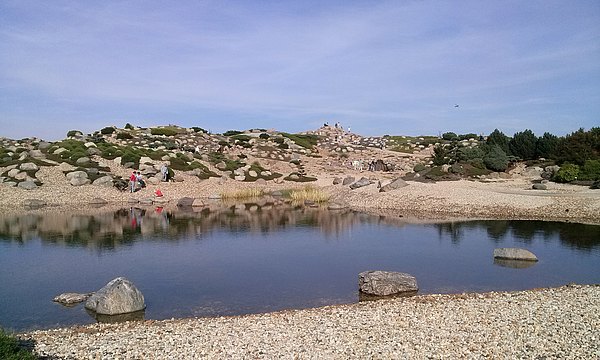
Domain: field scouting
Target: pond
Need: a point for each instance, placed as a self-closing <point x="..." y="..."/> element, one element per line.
<point x="253" y="258"/>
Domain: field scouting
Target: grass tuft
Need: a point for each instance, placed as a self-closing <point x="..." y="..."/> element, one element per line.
<point x="242" y="194"/>
<point x="309" y="193"/>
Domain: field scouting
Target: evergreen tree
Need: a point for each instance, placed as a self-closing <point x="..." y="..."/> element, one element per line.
<point x="498" y="138"/>
<point x="523" y="145"/>
<point x="546" y="146"/>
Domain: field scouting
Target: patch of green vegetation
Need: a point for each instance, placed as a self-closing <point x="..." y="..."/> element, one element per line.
<point x="124" y="136"/>
<point x="10" y="348"/>
<point x="108" y="130"/>
<point x="264" y="136"/>
<point x="199" y="129"/>
<point x="217" y="157"/>
<point x="590" y="170"/>
<point x="567" y="173"/>
<point x="128" y="126"/>
<point x="73" y="133"/>
<point x="307" y="141"/>
<point x="232" y="132"/>
<point x="166" y="131"/>
<point x="241" y="137"/>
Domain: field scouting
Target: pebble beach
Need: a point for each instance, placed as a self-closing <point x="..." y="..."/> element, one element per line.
<point x="552" y="323"/>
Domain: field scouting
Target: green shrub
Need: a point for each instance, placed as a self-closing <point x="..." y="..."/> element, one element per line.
<point x="545" y="146"/>
<point x="108" y="130"/>
<point x="166" y="131"/>
<point x="567" y="173"/>
<point x="590" y="170"/>
<point x="419" y="167"/>
<point x="450" y="136"/>
<point x="124" y="136"/>
<point x="468" y="136"/>
<point x="183" y="157"/>
<point x="469" y="153"/>
<point x="264" y="136"/>
<point x="128" y="126"/>
<point x="199" y="129"/>
<point x="440" y="154"/>
<point x="496" y="159"/>
<point x="223" y="143"/>
<point x="232" y="132"/>
<point x="497" y="137"/>
<point x="10" y="349"/>
<point x="306" y="141"/>
<point x="73" y="133"/>
<point x="283" y="146"/>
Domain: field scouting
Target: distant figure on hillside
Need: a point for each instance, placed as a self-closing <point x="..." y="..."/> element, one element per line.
<point x="164" y="171"/>
<point x="140" y="181"/>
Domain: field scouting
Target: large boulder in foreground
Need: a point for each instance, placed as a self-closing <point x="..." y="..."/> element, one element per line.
<point x="514" y="254"/>
<point x="384" y="283"/>
<point x="119" y="296"/>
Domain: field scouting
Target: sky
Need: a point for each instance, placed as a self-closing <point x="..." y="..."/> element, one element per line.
<point x="378" y="67"/>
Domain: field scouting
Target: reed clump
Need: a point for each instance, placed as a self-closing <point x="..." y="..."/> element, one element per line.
<point x="242" y="193"/>
<point x="309" y="193"/>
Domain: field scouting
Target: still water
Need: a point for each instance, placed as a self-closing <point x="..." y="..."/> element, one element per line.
<point x="258" y="258"/>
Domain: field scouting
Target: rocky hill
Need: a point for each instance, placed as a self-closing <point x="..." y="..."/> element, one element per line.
<point x="253" y="155"/>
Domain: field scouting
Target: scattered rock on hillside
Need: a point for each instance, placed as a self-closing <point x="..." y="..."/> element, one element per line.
<point x="104" y="181"/>
<point x="337" y="180"/>
<point x="98" y="201"/>
<point x="28" y="167"/>
<point x="348" y="180"/>
<point x="361" y="183"/>
<point x="539" y="187"/>
<point x="396" y="184"/>
<point x="27" y="185"/>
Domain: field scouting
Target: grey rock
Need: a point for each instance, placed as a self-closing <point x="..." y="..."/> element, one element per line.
<point x="82" y="160"/>
<point x="396" y="184"/>
<point x="27" y="185"/>
<point x="360" y="183"/>
<point x="514" y="254"/>
<point x="348" y="180"/>
<point x="252" y="173"/>
<point x="384" y="283"/>
<point x="34" y="203"/>
<point x="43" y="145"/>
<point x="119" y="296"/>
<point x="22" y="176"/>
<point x="337" y="180"/>
<point x="78" y="181"/>
<point x="539" y="187"/>
<point x="13" y="172"/>
<point x="221" y="166"/>
<point x="98" y="201"/>
<point x="77" y="174"/>
<point x="37" y="154"/>
<point x="104" y="181"/>
<point x="93" y="151"/>
<point x="92" y="171"/>
<point x="29" y="167"/>
<point x="71" y="298"/>
<point x="59" y="151"/>
<point x="294" y="177"/>
<point x="9" y="183"/>
<point x="185" y="202"/>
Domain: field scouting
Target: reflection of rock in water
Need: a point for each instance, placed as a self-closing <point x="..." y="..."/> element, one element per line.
<point x="515" y="264"/>
<point x="109" y="319"/>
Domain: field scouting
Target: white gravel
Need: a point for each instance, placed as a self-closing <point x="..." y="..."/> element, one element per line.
<point x="557" y="323"/>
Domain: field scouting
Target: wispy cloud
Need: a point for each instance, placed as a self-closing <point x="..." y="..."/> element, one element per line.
<point x="387" y="67"/>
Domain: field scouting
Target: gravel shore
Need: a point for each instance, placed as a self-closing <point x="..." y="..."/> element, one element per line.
<point x="555" y="323"/>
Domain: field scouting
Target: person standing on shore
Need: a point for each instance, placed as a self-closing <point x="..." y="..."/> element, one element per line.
<point x="132" y="182"/>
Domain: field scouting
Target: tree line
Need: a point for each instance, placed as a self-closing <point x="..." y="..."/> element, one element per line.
<point x="577" y="153"/>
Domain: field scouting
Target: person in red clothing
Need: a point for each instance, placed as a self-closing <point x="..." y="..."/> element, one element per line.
<point x="133" y="181"/>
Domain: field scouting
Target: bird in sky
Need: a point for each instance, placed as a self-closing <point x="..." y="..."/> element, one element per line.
<point x="455" y="105"/>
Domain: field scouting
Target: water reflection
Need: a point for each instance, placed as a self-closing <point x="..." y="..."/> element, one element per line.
<point x="577" y="236"/>
<point x="113" y="229"/>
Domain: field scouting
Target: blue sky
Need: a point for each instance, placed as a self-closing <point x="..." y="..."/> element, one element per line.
<point x="395" y="67"/>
